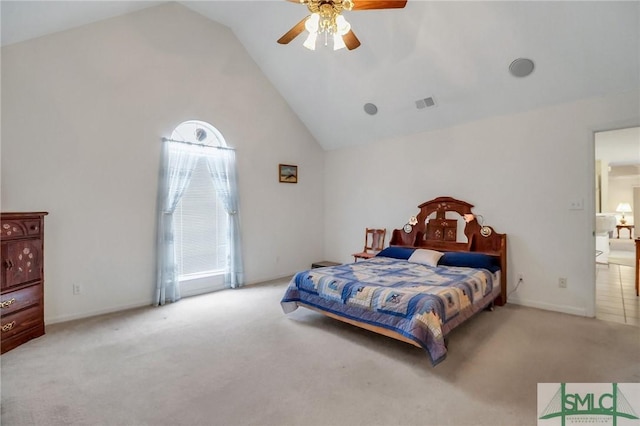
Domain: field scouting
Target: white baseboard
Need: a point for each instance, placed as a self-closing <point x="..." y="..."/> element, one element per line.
<point x="267" y="279"/>
<point x="140" y="304"/>
<point x="88" y="314"/>
<point x="572" y="310"/>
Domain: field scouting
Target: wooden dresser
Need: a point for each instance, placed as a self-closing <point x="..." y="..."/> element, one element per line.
<point x="22" y="278"/>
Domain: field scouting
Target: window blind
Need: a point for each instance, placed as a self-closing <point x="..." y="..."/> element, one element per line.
<point x="200" y="224"/>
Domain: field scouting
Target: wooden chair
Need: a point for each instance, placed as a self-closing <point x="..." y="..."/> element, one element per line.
<point x="373" y="243"/>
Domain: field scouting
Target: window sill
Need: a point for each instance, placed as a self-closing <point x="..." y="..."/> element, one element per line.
<point x="191" y="285"/>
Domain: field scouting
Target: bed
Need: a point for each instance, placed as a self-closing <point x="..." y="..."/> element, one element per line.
<point x="440" y="269"/>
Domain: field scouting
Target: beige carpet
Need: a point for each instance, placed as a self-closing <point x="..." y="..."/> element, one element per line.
<point x="233" y="358"/>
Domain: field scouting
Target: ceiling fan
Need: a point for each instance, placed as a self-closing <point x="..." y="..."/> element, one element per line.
<point x="326" y="18"/>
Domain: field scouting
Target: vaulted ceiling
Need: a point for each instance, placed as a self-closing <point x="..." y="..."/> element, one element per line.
<point x="456" y="52"/>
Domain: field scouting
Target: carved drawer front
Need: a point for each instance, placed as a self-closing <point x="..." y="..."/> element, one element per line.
<point x="21" y="321"/>
<point x="20" y="299"/>
<point x="21" y="262"/>
<point x="12" y="229"/>
<point x="32" y="226"/>
<point x="19" y="228"/>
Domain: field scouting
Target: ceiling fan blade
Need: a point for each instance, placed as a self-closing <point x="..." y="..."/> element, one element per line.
<point x="350" y="40"/>
<point x="293" y="32"/>
<point x="378" y="4"/>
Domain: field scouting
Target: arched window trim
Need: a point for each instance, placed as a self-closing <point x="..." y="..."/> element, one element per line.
<point x="188" y="131"/>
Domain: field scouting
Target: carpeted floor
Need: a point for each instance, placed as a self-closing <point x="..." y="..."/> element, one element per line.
<point x="233" y="358"/>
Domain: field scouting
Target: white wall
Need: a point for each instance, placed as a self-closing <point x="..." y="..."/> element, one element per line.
<point x="520" y="171"/>
<point x="83" y="112"/>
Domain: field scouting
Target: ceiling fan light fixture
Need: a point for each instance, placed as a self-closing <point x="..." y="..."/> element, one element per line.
<point x="326" y="18"/>
<point x="342" y="25"/>
<point x="312" y="24"/>
<point x="310" y="42"/>
<point x="338" y="42"/>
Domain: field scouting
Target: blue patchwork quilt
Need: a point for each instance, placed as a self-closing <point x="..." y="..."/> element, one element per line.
<point x="420" y="302"/>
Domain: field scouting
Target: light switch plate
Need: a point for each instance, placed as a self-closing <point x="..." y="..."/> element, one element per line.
<point x="576" y="204"/>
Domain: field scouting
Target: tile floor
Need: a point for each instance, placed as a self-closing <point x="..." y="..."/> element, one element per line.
<point x="616" y="298"/>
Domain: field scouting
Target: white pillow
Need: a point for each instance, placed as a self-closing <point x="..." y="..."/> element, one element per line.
<point x="426" y="257"/>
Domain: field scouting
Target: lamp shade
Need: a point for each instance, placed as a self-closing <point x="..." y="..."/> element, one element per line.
<point x="310" y="42"/>
<point x="623" y="208"/>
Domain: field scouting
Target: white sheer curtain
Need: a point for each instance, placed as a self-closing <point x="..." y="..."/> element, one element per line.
<point x="178" y="163"/>
<point x="179" y="160"/>
<point x="222" y="166"/>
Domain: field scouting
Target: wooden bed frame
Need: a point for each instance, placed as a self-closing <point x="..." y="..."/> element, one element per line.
<point x="439" y="232"/>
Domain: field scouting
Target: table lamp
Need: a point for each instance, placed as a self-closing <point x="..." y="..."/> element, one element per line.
<point x="623" y="208"/>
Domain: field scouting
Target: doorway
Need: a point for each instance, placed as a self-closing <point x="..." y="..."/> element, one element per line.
<point x="617" y="199"/>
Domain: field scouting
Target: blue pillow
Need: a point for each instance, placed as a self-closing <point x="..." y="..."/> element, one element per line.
<point x="397" y="252"/>
<point x="470" y="260"/>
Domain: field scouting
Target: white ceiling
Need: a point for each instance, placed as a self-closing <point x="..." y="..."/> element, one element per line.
<point x="457" y="52"/>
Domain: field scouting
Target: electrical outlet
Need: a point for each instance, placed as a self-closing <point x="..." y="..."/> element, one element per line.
<point x="562" y="282"/>
<point x="77" y="289"/>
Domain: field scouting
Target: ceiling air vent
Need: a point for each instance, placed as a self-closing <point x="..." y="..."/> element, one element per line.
<point x="425" y="103"/>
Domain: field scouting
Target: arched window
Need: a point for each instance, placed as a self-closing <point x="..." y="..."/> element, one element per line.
<point x="198" y="227"/>
<point x="198" y="132"/>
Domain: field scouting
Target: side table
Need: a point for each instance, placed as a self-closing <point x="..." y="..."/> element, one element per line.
<point x="323" y="264"/>
<point x="628" y="227"/>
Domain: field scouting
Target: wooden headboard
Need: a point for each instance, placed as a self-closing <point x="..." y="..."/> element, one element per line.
<point x="441" y="225"/>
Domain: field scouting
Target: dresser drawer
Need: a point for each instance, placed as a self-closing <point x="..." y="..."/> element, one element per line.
<point x="32" y="227"/>
<point x="21" y="321"/>
<point x="12" y="228"/>
<point x="16" y="300"/>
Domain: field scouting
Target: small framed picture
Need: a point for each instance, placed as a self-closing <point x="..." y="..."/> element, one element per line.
<point x="288" y="173"/>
